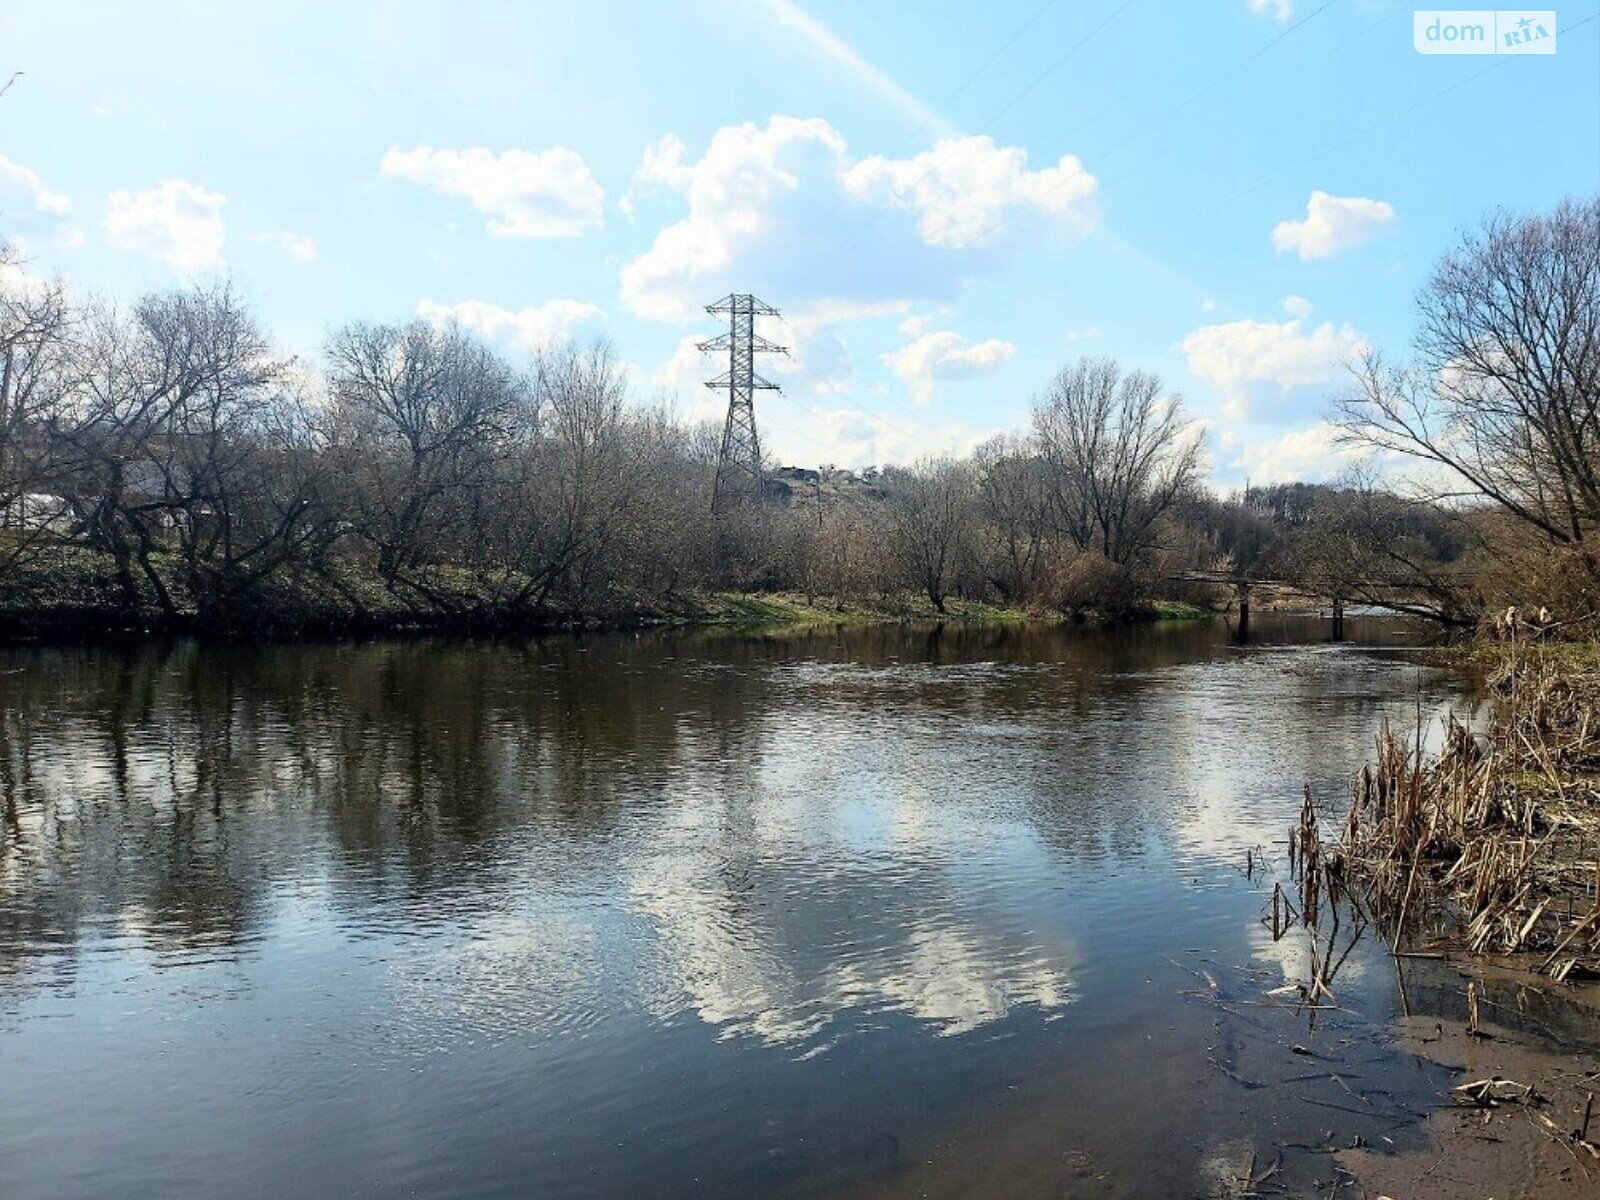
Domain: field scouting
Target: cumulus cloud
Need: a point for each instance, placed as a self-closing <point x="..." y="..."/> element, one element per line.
<point x="22" y="189"/>
<point x="297" y="246"/>
<point x="532" y="329"/>
<point x="178" y="222"/>
<point x="1313" y="454"/>
<point x="739" y="193"/>
<point x="1279" y="10"/>
<point x="664" y="166"/>
<point x="944" y="355"/>
<point x="1270" y="370"/>
<point x="965" y="190"/>
<point x="787" y="204"/>
<point x="1297" y="306"/>
<point x="854" y="437"/>
<point x="820" y="361"/>
<point x="687" y="368"/>
<point x="1333" y="225"/>
<point x="28" y="206"/>
<point x="1092" y="334"/>
<point x="524" y="193"/>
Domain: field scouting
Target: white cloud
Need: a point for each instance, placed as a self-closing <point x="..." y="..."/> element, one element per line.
<point x="819" y="362"/>
<point x="853" y="437"/>
<point x="177" y="222"/>
<point x="1297" y="306"/>
<point x="663" y="165"/>
<point x="22" y="189"/>
<point x="1092" y="334"/>
<point x="1310" y="455"/>
<point x="1278" y="10"/>
<point x="27" y="206"/>
<point x="819" y="358"/>
<point x="532" y="329"/>
<point x="738" y="194"/>
<point x="687" y="369"/>
<point x="297" y="246"/>
<point x="965" y="189"/>
<point x="1208" y="305"/>
<point x="943" y="355"/>
<point x="784" y="209"/>
<point x="1254" y="364"/>
<point x="525" y="193"/>
<point x="1333" y="225"/>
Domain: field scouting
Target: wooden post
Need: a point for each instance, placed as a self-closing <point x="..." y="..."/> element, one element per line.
<point x="1244" y="610"/>
<point x="1338" y="618"/>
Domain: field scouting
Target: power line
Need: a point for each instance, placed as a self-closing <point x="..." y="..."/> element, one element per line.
<point x="1500" y="62"/>
<point x="1004" y="46"/>
<point x="1188" y="101"/>
<point x="1158" y="155"/>
<point x="1059" y="63"/>
<point x="799" y="240"/>
<point x="879" y="214"/>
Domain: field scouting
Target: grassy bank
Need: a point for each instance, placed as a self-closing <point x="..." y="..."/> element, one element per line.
<point x="789" y="609"/>
<point x="72" y="592"/>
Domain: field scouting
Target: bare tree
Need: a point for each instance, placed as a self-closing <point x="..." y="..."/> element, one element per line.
<point x="580" y="498"/>
<point x="1363" y="543"/>
<point x="1121" y="455"/>
<point x="419" y="414"/>
<point x="1504" y="392"/>
<point x="34" y="323"/>
<point x="1014" y="498"/>
<point x="235" y="458"/>
<point x="930" y="517"/>
<point x="170" y="420"/>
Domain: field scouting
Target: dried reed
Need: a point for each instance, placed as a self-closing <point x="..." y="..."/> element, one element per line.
<point x="1492" y="842"/>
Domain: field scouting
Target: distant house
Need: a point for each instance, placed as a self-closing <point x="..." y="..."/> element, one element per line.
<point x="36" y="511"/>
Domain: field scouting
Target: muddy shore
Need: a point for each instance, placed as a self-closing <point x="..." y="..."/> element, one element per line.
<point x="1514" y="1128"/>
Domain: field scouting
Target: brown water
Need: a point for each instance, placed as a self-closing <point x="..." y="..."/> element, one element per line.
<point x="880" y="910"/>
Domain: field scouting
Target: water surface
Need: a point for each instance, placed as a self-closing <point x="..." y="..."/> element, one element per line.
<point x="880" y="911"/>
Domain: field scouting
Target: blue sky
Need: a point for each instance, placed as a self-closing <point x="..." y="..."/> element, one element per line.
<point x="948" y="201"/>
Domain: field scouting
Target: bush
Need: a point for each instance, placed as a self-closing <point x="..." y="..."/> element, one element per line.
<point x="1091" y="582"/>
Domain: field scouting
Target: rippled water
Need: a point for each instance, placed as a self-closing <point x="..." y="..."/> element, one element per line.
<point x="701" y="915"/>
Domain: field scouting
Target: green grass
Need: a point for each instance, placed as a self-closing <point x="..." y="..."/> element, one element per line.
<point x="1179" y="610"/>
<point x="791" y="610"/>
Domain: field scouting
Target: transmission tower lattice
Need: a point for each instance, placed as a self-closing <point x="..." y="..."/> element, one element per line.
<point x="739" y="459"/>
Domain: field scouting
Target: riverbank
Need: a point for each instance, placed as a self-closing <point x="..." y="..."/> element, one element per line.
<point x="1480" y="865"/>
<point x="69" y="592"/>
<point x="1520" y="1124"/>
<point x="1490" y="845"/>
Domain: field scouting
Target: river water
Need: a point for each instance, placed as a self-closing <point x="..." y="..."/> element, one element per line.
<point x="869" y="912"/>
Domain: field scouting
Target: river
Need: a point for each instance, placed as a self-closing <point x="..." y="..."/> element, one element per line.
<point x="878" y="912"/>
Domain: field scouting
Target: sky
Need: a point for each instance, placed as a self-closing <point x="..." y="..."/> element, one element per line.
<point x="948" y="202"/>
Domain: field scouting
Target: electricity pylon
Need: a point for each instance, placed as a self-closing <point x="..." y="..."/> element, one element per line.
<point x="739" y="459"/>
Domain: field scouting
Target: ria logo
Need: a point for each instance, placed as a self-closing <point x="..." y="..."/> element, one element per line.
<point x="1527" y="31"/>
<point x="1484" y="31"/>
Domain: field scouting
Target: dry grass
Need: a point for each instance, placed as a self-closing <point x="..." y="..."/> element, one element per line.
<point x="1493" y="842"/>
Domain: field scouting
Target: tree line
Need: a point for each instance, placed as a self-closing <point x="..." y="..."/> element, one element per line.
<point x="168" y="462"/>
